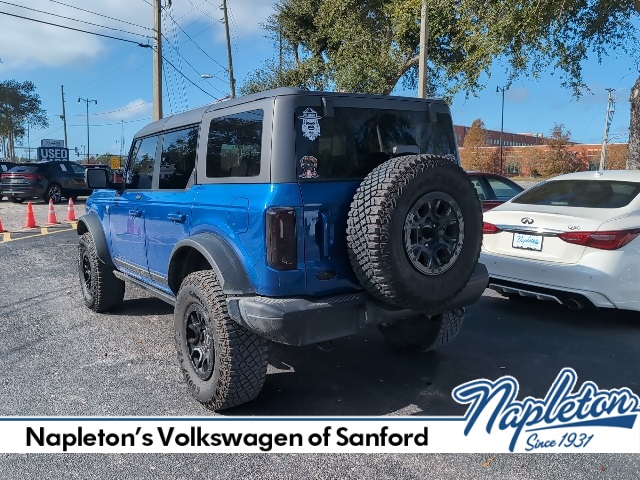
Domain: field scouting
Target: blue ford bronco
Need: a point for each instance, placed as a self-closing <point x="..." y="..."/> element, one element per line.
<point x="288" y="216"/>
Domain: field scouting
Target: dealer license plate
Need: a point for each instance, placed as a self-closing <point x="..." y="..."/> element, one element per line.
<point x="527" y="242"/>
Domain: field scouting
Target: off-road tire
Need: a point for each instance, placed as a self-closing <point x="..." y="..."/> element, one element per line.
<point x="13" y="199"/>
<point x="101" y="289"/>
<point x="376" y="231"/>
<point x="421" y="333"/>
<point x="240" y="357"/>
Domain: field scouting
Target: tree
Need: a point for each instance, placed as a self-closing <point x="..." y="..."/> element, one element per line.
<point x="19" y="105"/>
<point x="558" y="159"/>
<point x="617" y="155"/>
<point x="473" y="154"/>
<point x="633" y="158"/>
<point x="368" y="46"/>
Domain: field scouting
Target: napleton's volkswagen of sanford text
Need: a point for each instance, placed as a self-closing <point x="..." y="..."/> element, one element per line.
<point x="288" y="216"/>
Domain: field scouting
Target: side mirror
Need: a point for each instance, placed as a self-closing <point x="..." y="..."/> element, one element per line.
<point x="96" y="178"/>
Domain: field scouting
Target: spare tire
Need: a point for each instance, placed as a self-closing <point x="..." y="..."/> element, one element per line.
<point x="414" y="231"/>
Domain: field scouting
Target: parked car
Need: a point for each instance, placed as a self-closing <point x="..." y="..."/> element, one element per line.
<point x="571" y="239"/>
<point x="493" y="189"/>
<point x="289" y="216"/>
<point x="4" y="166"/>
<point x="46" y="180"/>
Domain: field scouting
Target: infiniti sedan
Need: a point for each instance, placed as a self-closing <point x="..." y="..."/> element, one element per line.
<point x="572" y="240"/>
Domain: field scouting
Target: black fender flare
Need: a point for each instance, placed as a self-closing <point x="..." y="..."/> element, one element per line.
<point x="221" y="256"/>
<point x="91" y="223"/>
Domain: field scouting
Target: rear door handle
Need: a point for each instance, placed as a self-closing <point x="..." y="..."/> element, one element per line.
<point x="135" y="212"/>
<point x="177" y="217"/>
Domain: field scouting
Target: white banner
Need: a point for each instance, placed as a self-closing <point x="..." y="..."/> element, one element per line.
<point x="588" y="420"/>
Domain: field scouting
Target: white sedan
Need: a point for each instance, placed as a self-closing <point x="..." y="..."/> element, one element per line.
<point x="571" y="239"/>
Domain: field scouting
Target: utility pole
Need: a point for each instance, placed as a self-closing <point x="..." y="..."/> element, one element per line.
<point x="157" y="61"/>
<point x="87" y="101"/>
<point x="280" y="57"/>
<point x="64" y="118"/>
<point x="232" y="80"/>
<point x="422" y="62"/>
<point x="501" y="89"/>
<point x="611" y="108"/>
<point x="122" y="143"/>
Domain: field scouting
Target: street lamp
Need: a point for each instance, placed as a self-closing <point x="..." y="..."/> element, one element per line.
<point x="498" y="90"/>
<point x="87" y="101"/>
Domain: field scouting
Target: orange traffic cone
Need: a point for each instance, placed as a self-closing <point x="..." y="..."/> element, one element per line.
<point x="30" y="221"/>
<point x="51" y="218"/>
<point x="71" y="212"/>
<point x="1" y="228"/>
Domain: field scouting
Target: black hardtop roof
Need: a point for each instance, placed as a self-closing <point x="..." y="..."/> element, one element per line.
<point x="194" y="116"/>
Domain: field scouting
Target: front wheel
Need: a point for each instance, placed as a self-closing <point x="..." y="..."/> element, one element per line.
<point x="223" y="363"/>
<point x="423" y="333"/>
<point x="101" y="289"/>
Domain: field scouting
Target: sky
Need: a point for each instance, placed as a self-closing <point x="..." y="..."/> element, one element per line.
<point x="118" y="74"/>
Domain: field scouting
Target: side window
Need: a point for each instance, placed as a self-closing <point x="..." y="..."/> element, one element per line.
<point x="78" y="169"/>
<point x="234" y="145"/>
<point x="140" y="171"/>
<point x="475" y="181"/>
<point x="178" y="158"/>
<point x="502" y="190"/>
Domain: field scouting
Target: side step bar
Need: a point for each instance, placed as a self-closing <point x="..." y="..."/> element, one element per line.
<point x="156" y="292"/>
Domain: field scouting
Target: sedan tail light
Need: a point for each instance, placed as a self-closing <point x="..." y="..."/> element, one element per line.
<point x="607" y="240"/>
<point x="488" y="228"/>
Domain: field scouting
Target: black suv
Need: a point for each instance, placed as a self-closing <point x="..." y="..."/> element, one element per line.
<point x="288" y="216"/>
<point x="4" y="167"/>
<point x="45" y="180"/>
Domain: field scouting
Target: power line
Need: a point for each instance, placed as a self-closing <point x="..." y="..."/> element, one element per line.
<point x="194" y="42"/>
<point x="73" y="19"/>
<point x="187" y="78"/>
<point x="100" y="15"/>
<point x="187" y="62"/>
<point x="109" y="112"/>
<point x="75" y="29"/>
<point x="194" y="8"/>
<point x="111" y="124"/>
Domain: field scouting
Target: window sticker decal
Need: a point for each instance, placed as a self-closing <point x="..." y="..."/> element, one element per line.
<point x="310" y="124"/>
<point x="309" y="166"/>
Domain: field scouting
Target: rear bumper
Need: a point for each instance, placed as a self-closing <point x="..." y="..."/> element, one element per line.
<point x="304" y="321"/>
<point x="612" y="283"/>
<point x="23" y="191"/>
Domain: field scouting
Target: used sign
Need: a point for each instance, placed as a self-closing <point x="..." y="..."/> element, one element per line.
<point x="49" y="154"/>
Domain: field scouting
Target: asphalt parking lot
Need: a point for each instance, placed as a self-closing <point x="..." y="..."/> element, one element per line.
<point x="58" y="358"/>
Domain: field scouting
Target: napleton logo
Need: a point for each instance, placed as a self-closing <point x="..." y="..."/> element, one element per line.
<point x="562" y="420"/>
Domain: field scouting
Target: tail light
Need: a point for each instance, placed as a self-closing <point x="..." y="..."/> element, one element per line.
<point x="30" y="176"/>
<point x="607" y="240"/>
<point x="488" y="228"/>
<point x="282" y="249"/>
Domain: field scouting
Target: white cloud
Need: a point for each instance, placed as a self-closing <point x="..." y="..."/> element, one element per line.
<point x="25" y="44"/>
<point x="133" y="109"/>
<point x="517" y="95"/>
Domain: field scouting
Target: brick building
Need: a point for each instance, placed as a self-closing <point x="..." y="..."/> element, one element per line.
<point x="508" y="139"/>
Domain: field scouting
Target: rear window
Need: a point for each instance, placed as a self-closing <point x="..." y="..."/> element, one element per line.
<point x="24" y="169"/>
<point x="581" y="193"/>
<point x="356" y="140"/>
